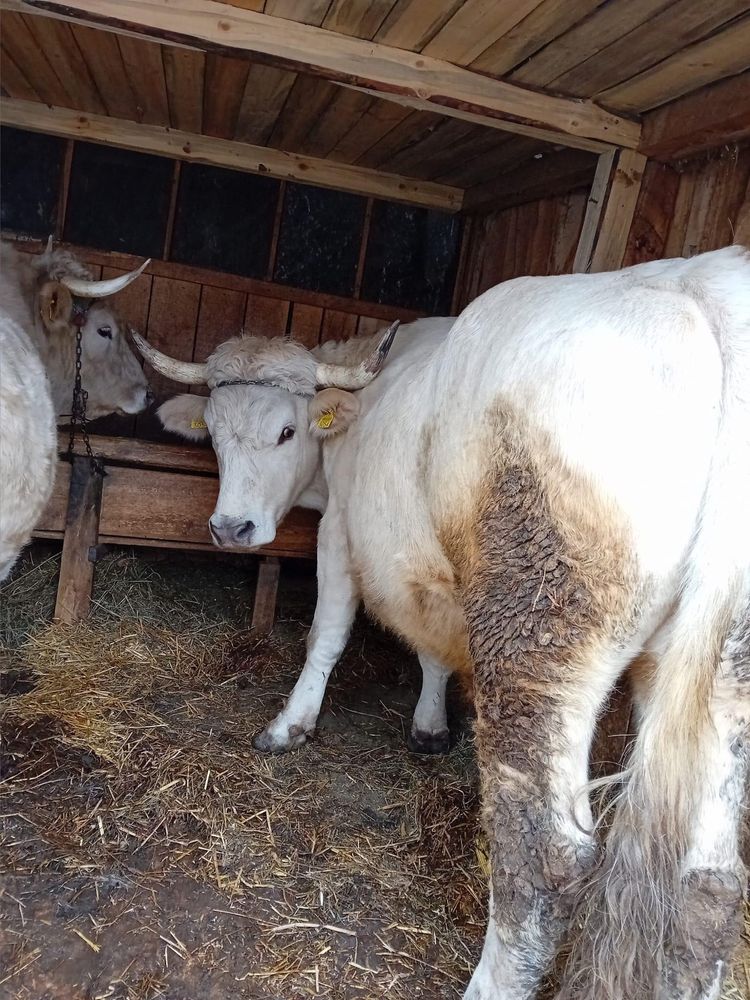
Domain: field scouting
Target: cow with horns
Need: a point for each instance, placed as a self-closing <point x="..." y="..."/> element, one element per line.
<point x="558" y="487"/>
<point x="48" y="304"/>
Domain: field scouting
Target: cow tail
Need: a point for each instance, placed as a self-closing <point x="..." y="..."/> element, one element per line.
<point x="635" y="899"/>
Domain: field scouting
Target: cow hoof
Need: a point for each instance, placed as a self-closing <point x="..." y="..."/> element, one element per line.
<point x="422" y="742"/>
<point x="268" y="742"/>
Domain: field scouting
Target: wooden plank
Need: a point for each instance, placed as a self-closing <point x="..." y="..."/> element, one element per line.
<point x="179" y="506"/>
<point x="184" y="72"/>
<point x="145" y="71"/>
<point x="266" y="91"/>
<point x="675" y="245"/>
<point x="570" y="215"/>
<point x="56" y="40"/>
<point x="648" y="234"/>
<point x="307" y="101"/>
<point x="377" y="121"/>
<point x="422" y="81"/>
<point x="665" y="33"/>
<point x="218" y="279"/>
<point x="81" y="529"/>
<point x="266" y="589"/>
<point x="226" y="78"/>
<point x="62" y="197"/>
<point x="172" y="320"/>
<point x="14" y="80"/>
<point x="612" y="238"/>
<point x="412" y="23"/>
<point x="266" y="317"/>
<point x="411" y="130"/>
<point x="221" y="316"/>
<point x="703" y="119"/>
<point x="594" y="210"/>
<point x="305" y="11"/>
<point x="226" y="153"/>
<point x="54" y="514"/>
<point x="101" y="53"/>
<point x="584" y="39"/>
<point x="547" y="21"/>
<point x="361" y="18"/>
<point x="146" y="454"/>
<point x="26" y="56"/>
<point x="334" y="123"/>
<point x="555" y="173"/>
<point x="132" y="303"/>
<point x="722" y="55"/>
<point x="338" y="325"/>
<point x="305" y="325"/>
<point x="476" y="25"/>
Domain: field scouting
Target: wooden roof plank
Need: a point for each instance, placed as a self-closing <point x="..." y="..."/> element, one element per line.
<point x="413" y="129"/>
<point x="23" y="48"/>
<point x="500" y="160"/>
<point x="664" y="34"/>
<point x="15" y="83"/>
<point x="361" y="18"/>
<point x="266" y="92"/>
<point x="102" y="56"/>
<point x="711" y="116"/>
<point x="145" y="70"/>
<point x="542" y="25"/>
<point x="223" y="89"/>
<point x="184" y="72"/>
<point x="226" y="153"/>
<point x="377" y="121"/>
<point x="307" y="101"/>
<point x="332" y="125"/>
<point x="422" y="81"/>
<point x="474" y="26"/>
<point x="58" y="43"/>
<point x="553" y="174"/>
<point x="304" y="11"/>
<point x="722" y="55"/>
<point x="412" y="23"/>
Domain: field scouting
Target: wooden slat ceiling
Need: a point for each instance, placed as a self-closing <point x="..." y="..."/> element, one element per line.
<point x="629" y="55"/>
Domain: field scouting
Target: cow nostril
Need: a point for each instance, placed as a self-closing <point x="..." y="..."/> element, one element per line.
<point x="245" y="530"/>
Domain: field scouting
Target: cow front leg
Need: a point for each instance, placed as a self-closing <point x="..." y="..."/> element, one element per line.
<point x="429" y="729"/>
<point x="334" y="614"/>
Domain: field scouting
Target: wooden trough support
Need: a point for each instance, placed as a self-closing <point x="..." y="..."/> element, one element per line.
<point x="155" y="496"/>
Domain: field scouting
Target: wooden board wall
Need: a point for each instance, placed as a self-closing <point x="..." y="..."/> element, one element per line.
<point x="539" y="237"/>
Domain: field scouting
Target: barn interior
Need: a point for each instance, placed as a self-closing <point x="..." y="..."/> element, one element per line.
<point x="307" y="169"/>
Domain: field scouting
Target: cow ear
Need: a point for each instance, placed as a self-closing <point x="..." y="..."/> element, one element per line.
<point x="331" y="412"/>
<point x="185" y="415"/>
<point x="55" y="307"/>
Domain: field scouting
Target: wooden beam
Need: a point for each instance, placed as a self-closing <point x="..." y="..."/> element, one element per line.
<point x="81" y="533"/>
<point x="709" y="117"/>
<point x="390" y="73"/>
<point x="266" y="589"/>
<point x="553" y="174"/>
<point x="195" y="148"/>
<point x="609" y="211"/>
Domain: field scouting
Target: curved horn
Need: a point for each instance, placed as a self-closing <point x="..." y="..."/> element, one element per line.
<point x="86" y="289"/>
<point x="187" y="372"/>
<point x="50" y="244"/>
<point x="354" y="377"/>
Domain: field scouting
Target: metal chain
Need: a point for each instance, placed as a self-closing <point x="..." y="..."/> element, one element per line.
<point x="78" y="413"/>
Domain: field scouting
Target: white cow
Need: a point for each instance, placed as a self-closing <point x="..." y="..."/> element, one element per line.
<point x="561" y="486"/>
<point x="43" y="301"/>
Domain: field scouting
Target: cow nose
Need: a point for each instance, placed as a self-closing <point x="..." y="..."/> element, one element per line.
<point x="226" y="532"/>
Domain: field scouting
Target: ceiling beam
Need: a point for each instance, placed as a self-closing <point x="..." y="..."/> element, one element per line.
<point x="553" y="173"/>
<point x="709" y="117"/>
<point x="195" y="148"/>
<point x="393" y="74"/>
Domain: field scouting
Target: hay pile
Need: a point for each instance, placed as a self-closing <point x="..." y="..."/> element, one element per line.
<point x="149" y="852"/>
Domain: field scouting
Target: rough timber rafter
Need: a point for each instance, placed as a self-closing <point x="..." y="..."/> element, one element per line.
<point x="225" y="153"/>
<point x="393" y="74"/>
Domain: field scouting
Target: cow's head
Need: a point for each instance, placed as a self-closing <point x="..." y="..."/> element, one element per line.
<point x="68" y="300"/>
<point x="265" y="421"/>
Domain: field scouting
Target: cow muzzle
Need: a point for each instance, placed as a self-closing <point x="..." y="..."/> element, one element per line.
<point x="231" y="533"/>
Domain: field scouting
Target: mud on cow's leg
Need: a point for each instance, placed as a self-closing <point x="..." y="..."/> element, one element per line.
<point x="707" y="921"/>
<point x="334" y="614"/>
<point x="429" y="731"/>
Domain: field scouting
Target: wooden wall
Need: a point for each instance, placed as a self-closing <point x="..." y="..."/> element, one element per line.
<point x="539" y="237"/>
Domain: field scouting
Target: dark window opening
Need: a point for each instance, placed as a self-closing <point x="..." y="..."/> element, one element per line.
<point x="319" y="240"/>
<point x="118" y="200"/>
<point x="30" y="168"/>
<point x="224" y="220"/>
<point x="412" y="254"/>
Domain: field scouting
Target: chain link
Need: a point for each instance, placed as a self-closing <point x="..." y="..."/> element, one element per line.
<point x="78" y="413"/>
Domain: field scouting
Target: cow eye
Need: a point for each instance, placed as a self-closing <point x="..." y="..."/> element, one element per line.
<point x="105" y="331"/>
<point x="286" y="434"/>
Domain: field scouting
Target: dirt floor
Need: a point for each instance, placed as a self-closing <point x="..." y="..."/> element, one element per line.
<point x="147" y="851"/>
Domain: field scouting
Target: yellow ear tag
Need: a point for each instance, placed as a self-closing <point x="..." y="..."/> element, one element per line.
<point x="198" y="425"/>
<point x="325" y="420"/>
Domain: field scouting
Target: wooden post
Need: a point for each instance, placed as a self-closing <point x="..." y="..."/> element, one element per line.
<point x="609" y="211"/>
<point x="81" y="534"/>
<point x="264" y="608"/>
